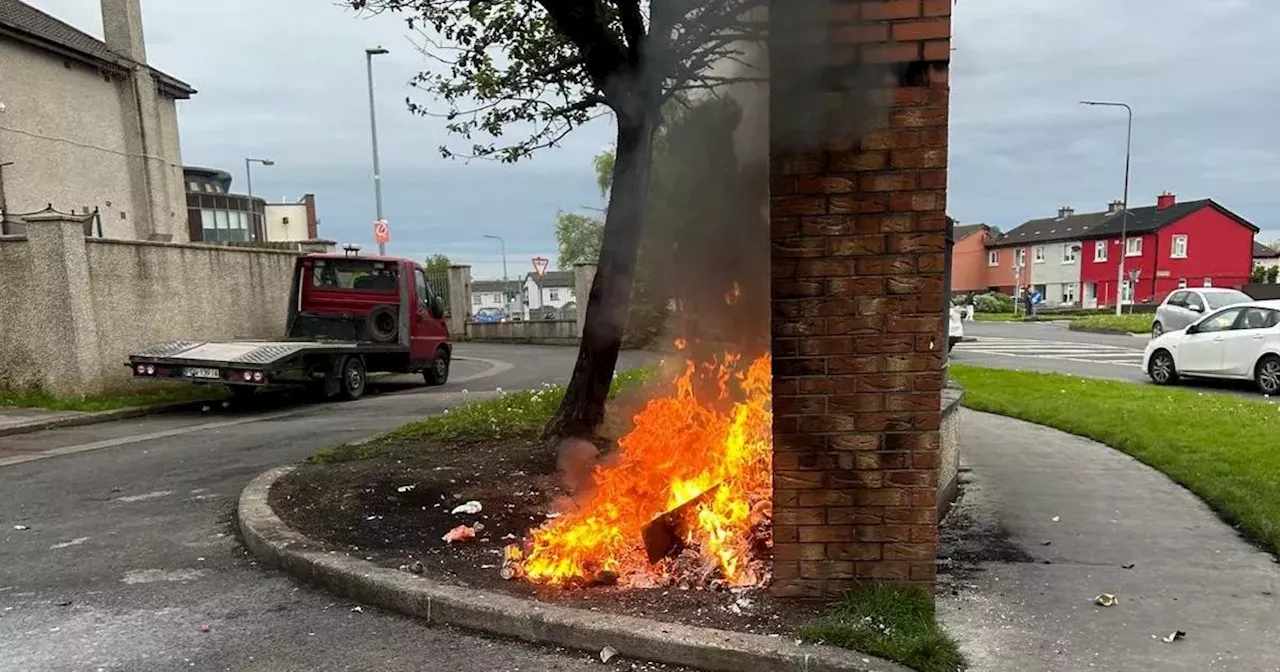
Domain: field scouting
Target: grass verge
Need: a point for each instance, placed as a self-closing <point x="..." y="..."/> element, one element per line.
<point x="1226" y="455"/>
<point x="1124" y="324"/>
<point x="995" y="317"/>
<point x="897" y="624"/>
<point x="108" y="402"/>
<point x="505" y="417"/>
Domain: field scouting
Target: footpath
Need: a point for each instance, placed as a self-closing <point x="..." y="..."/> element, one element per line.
<point x="1047" y="522"/>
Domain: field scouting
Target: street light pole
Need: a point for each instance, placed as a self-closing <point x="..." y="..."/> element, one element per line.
<point x="502" y="245"/>
<point x="1124" y="208"/>
<point x="373" y="131"/>
<point x="248" y="173"/>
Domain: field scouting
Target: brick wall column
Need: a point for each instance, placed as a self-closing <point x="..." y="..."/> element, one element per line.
<point x="858" y="116"/>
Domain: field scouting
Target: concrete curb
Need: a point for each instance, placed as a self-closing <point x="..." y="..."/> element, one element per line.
<point x="278" y="545"/>
<point x="96" y="418"/>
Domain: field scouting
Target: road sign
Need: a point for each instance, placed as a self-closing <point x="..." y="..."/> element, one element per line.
<point x="381" y="232"/>
<point x="540" y="265"/>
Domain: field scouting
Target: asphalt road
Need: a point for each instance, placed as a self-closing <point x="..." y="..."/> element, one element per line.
<point x="1052" y="347"/>
<point x="130" y="550"/>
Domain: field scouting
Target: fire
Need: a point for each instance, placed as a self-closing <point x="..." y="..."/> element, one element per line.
<point x="714" y="455"/>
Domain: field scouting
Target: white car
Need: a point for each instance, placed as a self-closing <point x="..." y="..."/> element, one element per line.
<point x="955" y="327"/>
<point x="1239" y="342"/>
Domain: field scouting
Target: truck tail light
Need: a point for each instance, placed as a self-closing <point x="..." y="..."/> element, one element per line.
<point x="151" y="370"/>
<point x="248" y="376"/>
<point x="145" y="370"/>
<point x="140" y="370"/>
<point x="257" y="376"/>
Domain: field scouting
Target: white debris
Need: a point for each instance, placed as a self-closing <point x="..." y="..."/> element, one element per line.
<point x="406" y="488"/>
<point x="607" y="654"/>
<point x="21" y="528"/>
<point x="1056" y="518"/>
<point x="471" y="508"/>
<point x="357" y="609"/>
<point x="67" y="544"/>
<point x="509" y="537"/>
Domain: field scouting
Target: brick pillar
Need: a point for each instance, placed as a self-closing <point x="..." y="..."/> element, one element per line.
<point x="858" y="127"/>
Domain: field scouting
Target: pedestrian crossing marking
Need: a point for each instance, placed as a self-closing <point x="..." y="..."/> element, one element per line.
<point x="1086" y="353"/>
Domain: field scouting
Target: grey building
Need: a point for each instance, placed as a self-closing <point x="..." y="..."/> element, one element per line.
<point x="86" y="125"/>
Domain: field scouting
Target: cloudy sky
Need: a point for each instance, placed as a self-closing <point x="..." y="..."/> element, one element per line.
<point x="285" y="79"/>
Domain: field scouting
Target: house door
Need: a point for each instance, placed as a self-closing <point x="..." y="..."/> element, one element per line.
<point x="1090" y="295"/>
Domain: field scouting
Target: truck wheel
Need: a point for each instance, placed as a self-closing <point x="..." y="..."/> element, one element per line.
<point x="438" y="373"/>
<point x="353" y="378"/>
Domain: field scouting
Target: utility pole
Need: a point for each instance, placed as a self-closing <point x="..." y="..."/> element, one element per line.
<point x="373" y="131"/>
<point x="1124" y="209"/>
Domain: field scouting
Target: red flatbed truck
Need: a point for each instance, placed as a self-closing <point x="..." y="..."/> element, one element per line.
<point x="348" y="316"/>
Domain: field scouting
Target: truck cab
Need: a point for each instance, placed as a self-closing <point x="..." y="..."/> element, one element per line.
<point x="348" y="316"/>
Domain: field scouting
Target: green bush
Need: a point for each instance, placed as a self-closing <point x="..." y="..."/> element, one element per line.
<point x="993" y="302"/>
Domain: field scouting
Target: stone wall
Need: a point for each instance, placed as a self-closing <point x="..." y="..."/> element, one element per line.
<point x="949" y="449"/>
<point x="858" y="149"/>
<point x="74" y="308"/>
<point x="541" y="332"/>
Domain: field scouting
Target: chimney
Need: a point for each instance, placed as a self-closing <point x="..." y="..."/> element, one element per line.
<point x="122" y="29"/>
<point x="1065" y="212"/>
<point x="1166" y="200"/>
<point x="1115" y="206"/>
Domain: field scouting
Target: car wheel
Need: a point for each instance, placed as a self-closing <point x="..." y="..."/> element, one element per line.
<point x="353" y="378"/>
<point x="1267" y="375"/>
<point x="1161" y="368"/>
<point x="1156" y="330"/>
<point x="438" y="373"/>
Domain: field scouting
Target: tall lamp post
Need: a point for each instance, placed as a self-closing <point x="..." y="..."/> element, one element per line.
<point x="1124" y="209"/>
<point x="248" y="172"/>
<point x="506" y="292"/>
<point x="373" y="131"/>
<point x="502" y="246"/>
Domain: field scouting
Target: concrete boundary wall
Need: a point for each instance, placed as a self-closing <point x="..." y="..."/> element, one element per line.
<point x="72" y="308"/>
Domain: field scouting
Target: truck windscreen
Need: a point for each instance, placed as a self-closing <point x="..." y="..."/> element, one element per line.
<point x="373" y="276"/>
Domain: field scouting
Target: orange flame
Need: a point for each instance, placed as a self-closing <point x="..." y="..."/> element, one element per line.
<point x="679" y="449"/>
<point x="733" y="296"/>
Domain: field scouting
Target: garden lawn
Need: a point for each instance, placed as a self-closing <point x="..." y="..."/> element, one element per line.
<point x="1124" y="324"/>
<point x="1227" y="455"/>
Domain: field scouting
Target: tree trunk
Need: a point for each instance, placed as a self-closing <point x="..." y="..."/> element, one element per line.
<point x="582" y="410"/>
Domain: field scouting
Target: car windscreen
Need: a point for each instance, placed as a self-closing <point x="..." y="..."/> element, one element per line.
<point x="355" y="274"/>
<point x="1225" y="298"/>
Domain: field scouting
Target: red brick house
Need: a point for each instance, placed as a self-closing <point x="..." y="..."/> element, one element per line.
<point x="1171" y="245"/>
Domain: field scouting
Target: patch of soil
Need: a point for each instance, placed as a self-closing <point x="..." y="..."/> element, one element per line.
<point x="394" y="508"/>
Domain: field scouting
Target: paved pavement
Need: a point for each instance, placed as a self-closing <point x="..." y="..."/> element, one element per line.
<point x="1048" y="521"/>
<point x="129" y="548"/>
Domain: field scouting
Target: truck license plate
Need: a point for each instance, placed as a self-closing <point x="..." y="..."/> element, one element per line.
<point x="194" y="372"/>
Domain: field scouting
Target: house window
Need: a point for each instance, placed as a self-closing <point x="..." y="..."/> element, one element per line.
<point x="1068" y="254"/>
<point x="1039" y="255"/>
<point x="1179" y="250"/>
<point x="1126" y="292"/>
<point x="1133" y="247"/>
<point x="993" y="258"/>
<point x="477" y="299"/>
<point x="1068" y="293"/>
<point x="553" y="294"/>
<point x="1208" y="282"/>
<point x="1100" y="250"/>
<point x="1021" y="257"/>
